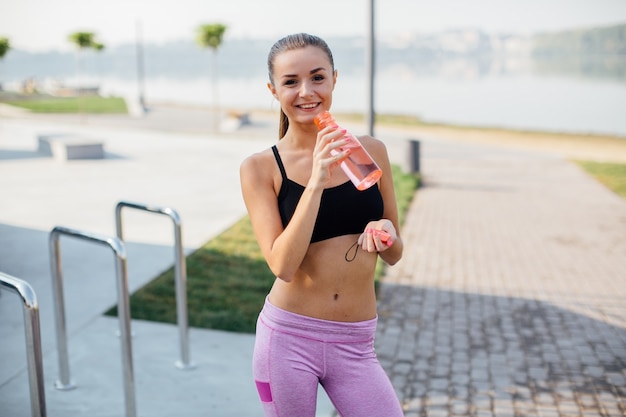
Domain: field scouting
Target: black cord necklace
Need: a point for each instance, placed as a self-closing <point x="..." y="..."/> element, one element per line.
<point x="347" y="256"/>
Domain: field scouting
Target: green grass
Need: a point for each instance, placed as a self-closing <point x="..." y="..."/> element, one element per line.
<point x="613" y="175"/>
<point x="405" y="186"/>
<point x="88" y="104"/>
<point x="227" y="278"/>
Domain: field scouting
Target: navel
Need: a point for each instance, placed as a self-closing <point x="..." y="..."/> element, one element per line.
<point x="336" y="296"/>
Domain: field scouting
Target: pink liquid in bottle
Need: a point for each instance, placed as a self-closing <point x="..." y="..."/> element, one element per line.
<point x="360" y="168"/>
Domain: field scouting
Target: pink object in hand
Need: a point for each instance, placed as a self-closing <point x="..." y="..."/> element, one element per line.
<point x="384" y="236"/>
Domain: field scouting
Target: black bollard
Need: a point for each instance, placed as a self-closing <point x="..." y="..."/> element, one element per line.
<point x="414" y="156"/>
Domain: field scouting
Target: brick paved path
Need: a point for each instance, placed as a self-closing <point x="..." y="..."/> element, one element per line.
<point x="510" y="299"/>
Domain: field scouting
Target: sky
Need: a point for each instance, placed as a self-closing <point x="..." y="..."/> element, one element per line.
<point x="40" y="25"/>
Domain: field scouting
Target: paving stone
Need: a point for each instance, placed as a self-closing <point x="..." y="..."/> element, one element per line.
<point x="616" y="379"/>
<point x="437" y="412"/>
<point x="402" y="368"/>
<point x="459" y="407"/>
<point x="418" y="390"/>
<point x="438" y="399"/>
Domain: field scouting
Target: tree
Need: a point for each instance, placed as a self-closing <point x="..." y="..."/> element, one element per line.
<point x="210" y="36"/>
<point x="5" y="46"/>
<point x="83" y="40"/>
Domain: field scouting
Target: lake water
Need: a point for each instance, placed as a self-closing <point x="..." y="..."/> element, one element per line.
<point x="522" y="101"/>
<point x="573" y="95"/>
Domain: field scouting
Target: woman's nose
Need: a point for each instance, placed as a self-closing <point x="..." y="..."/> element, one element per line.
<point x="305" y="89"/>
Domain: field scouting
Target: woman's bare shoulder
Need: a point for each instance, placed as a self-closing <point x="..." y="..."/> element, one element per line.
<point x="258" y="163"/>
<point x="373" y="145"/>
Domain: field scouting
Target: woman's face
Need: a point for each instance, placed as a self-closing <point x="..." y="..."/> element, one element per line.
<point x="303" y="83"/>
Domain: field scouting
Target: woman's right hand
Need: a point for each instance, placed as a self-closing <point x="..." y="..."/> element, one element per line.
<point x="327" y="154"/>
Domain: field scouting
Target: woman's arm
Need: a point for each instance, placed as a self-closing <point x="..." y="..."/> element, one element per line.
<point x="285" y="249"/>
<point x="372" y="242"/>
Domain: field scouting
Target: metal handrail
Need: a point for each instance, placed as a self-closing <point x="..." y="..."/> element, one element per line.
<point x="123" y="312"/>
<point x="180" y="271"/>
<point x="32" y="332"/>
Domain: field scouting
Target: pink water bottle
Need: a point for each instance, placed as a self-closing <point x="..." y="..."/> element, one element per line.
<point x="359" y="166"/>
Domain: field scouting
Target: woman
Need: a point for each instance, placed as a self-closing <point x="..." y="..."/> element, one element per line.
<point x="319" y="236"/>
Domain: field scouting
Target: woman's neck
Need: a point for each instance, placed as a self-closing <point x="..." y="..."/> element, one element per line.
<point x="302" y="137"/>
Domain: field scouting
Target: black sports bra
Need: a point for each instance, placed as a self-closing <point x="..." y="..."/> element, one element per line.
<point x="344" y="210"/>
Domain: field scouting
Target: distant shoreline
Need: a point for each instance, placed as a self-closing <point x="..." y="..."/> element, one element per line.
<point x="578" y="146"/>
<point x="410" y="122"/>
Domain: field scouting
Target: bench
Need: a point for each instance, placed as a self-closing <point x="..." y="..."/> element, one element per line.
<point x="68" y="147"/>
<point x="234" y="121"/>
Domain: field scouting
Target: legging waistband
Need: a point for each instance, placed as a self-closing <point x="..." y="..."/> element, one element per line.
<point x="317" y="329"/>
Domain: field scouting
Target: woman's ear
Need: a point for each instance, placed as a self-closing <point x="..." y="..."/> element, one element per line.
<point x="334" y="78"/>
<point x="270" y="87"/>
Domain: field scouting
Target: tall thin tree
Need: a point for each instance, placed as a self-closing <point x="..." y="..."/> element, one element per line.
<point x="211" y="36"/>
<point x="83" y="40"/>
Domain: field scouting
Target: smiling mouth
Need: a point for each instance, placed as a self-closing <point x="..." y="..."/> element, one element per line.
<point x="308" y="106"/>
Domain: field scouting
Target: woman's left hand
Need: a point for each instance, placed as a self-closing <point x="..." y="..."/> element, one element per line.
<point x="378" y="236"/>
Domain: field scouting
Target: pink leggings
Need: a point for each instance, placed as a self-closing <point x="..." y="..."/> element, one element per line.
<point x="293" y="353"/>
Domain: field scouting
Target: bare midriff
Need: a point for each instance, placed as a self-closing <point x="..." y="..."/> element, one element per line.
<point x="329" y="287"/>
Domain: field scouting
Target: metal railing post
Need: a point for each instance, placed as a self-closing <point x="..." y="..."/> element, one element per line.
<point x="180" y="273"/>
<point x="123" y="312"/>
<point x="32" y="332"/>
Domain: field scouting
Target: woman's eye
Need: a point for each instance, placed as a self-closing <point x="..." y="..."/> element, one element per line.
<point x="290" y="82"/>
<point x="318" y="78"/>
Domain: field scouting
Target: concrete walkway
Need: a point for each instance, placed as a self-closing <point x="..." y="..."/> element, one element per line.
<point x="509" y="301"/>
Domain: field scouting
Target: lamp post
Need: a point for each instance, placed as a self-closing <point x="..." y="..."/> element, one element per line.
<point x="370" y="65"/>
<point x="140" y="71"/>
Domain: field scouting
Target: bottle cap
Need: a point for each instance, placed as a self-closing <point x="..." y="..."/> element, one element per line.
<point x="323" y="119"/>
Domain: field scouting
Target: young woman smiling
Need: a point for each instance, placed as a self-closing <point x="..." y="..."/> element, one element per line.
<point x="318" y="235"/>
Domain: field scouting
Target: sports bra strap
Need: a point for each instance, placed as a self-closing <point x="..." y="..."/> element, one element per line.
<point x="280" y="163"/>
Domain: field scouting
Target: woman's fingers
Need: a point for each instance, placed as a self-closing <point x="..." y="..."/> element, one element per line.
<point x="375" y="240"/>
<point x="330" y="138"/>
